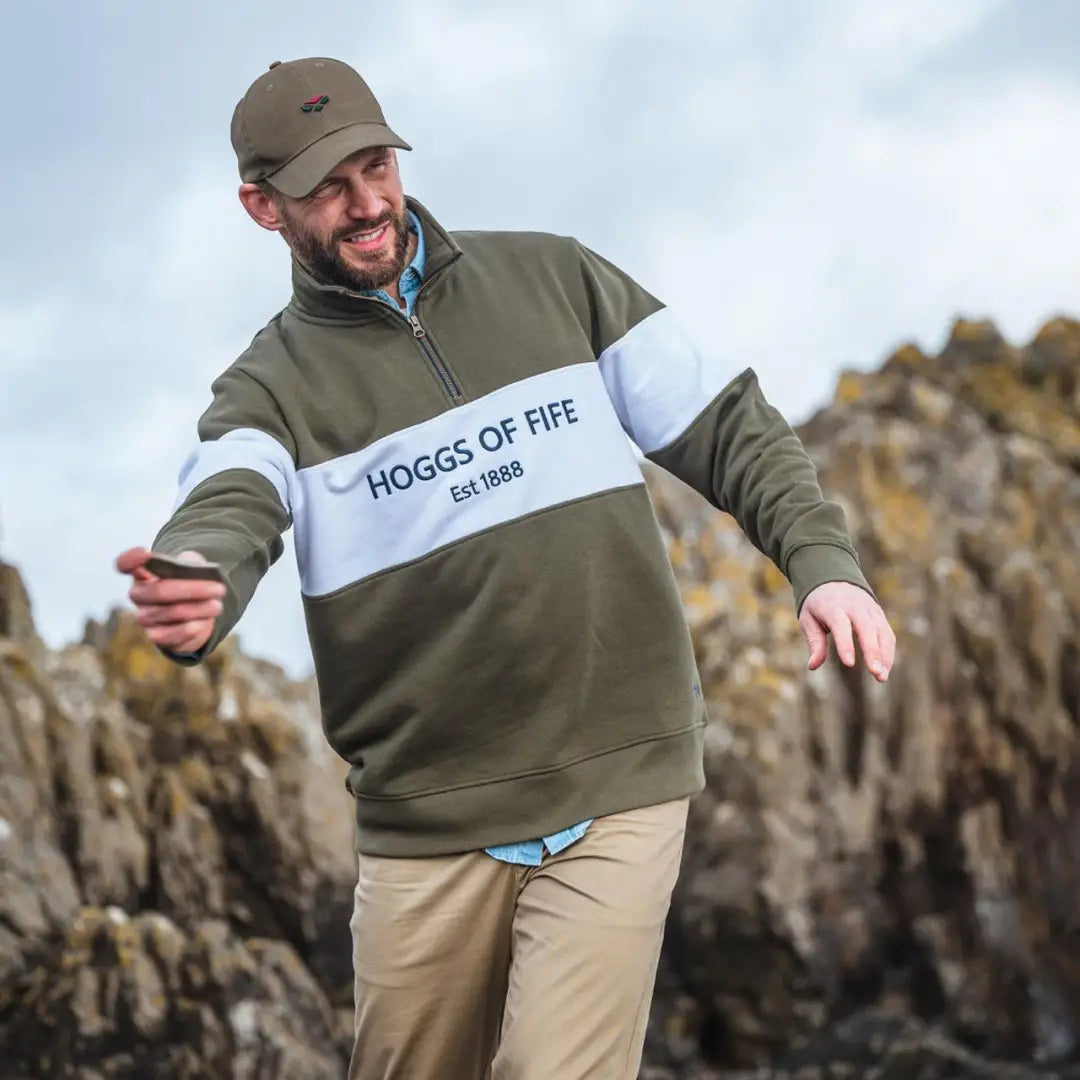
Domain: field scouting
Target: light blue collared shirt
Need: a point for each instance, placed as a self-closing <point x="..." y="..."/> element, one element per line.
<point x="524" y="852"/>
<point x="531" y="852"/>
<point x="412" y="277"/>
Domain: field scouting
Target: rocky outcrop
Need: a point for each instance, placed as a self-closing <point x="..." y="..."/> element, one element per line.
<point x="880" y="881"/>
<point x="175" y="864"/>
<point x="876" y="1044"/>
<point x="916" y="845"/>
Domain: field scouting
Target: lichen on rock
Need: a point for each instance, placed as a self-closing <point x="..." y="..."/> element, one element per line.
<point x="878" y="881"/>
<point x="911" y="846"/>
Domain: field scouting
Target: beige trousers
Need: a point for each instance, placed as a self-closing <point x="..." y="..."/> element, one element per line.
<point x="468" y="968"/>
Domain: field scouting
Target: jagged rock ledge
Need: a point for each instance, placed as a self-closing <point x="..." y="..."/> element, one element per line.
<point x="879" y="882"/>
<point x="912" y="847"/>
<point x="176" y="864"/>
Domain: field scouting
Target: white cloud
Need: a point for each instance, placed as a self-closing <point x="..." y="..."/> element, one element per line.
<point x="884" y="40"/>
<point x="26" y="335"/>
<point x="120" y="374"/>
<point x="807" y="184"/>
<point x="857" y="228"/>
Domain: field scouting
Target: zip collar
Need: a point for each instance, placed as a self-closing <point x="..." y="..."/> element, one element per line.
<point x="315" y="299"/>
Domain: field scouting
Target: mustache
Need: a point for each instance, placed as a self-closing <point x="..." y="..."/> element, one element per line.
<point x="362" y="227"/>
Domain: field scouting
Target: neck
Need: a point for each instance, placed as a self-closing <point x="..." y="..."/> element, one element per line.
<point x="317" y="298"/>
<point x="391" y="288"/>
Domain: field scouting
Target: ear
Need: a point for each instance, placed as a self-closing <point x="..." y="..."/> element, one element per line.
<point x="261" y="207"/>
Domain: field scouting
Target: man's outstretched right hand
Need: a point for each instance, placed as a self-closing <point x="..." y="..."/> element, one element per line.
<point x="178" y="614"/>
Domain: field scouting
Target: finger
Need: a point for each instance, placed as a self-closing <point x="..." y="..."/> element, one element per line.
<point x="193" y="644"/>
<point x="887" y="640"/>
<point x="192" y="557"/>
<point x="170" y="614"/>
<point x="866" y="630"/>
<point x="816" y="640"/>
<point x="175" y="591"/>
<point x="174" y="635"/>
<point x="840" y="626"/>
<point x="129" y="561"/>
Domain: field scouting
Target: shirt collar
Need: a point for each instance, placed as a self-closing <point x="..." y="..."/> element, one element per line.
<point x="417" y="264"/>
<point x="413" y="274"/>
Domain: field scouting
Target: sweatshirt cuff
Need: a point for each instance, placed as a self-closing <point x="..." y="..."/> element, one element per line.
<point x="188" y="659"/>
<point x="816" y="564"/>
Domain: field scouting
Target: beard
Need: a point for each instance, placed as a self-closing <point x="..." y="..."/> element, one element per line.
<point x="322" y="254"/>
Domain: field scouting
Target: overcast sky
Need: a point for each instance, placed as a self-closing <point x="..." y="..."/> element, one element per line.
<point x="809" y="182"/>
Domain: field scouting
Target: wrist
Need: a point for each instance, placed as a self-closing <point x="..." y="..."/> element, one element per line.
<point x="815" y="564"/>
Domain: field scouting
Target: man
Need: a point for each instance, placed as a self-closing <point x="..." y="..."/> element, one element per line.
<point x="500" y="647"/>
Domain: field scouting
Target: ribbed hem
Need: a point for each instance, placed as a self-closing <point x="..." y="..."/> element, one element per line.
<point x="816" y="564"/>
<point x="521" y="808"/>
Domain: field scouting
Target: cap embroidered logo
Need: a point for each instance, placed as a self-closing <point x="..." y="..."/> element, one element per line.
<point x="315" y="104"/>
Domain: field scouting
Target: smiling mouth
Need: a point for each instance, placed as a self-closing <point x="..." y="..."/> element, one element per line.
<point x="370" y="239"/>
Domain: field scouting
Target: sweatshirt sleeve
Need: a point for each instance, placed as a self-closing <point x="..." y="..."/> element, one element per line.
<point x="711" y="426"/>
<point x="235" y="495"/>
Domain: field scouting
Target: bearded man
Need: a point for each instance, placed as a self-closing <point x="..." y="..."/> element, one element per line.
<point x="445" y="419"/>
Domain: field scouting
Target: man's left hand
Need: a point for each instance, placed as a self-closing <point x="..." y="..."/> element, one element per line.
<point x="847" y="612"/>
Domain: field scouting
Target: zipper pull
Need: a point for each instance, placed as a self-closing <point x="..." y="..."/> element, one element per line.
<point x="417" y="329"/>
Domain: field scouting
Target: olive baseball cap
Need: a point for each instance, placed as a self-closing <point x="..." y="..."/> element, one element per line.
<point x="301" y="118"/>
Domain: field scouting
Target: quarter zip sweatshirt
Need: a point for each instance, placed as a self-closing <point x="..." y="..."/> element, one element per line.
<point x="498" y="638"/>
<point x="522" y="852"/>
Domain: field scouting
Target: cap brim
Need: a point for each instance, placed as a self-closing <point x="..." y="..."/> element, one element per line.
<point x="303" y="174"/>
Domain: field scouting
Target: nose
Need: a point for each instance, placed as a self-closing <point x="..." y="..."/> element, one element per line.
<point x="364" y="203"/>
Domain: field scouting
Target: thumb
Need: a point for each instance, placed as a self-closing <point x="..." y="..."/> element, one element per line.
<point x="191" y="557"/>
<point x="816" y="640"/>
<point x="131" y="562"/>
